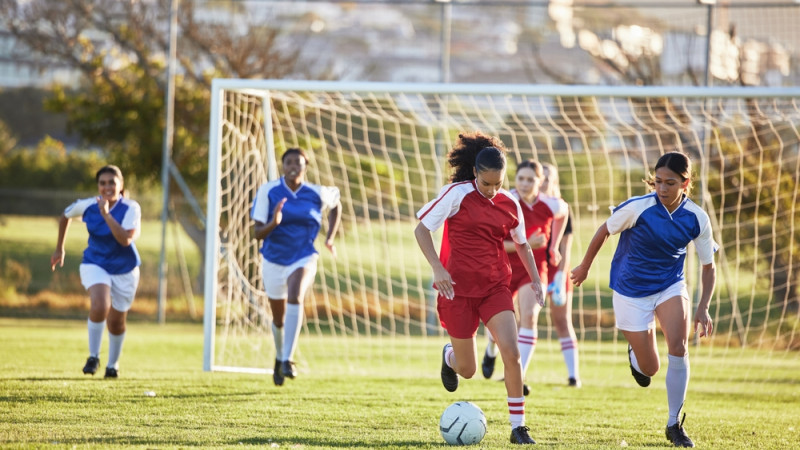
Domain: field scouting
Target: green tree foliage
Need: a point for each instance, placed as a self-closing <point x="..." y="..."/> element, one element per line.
<point x="120" y="48"/>
<point x="50" y="166"/>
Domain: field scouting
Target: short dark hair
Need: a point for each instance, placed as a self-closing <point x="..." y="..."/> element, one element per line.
<point x="294" y="150"/>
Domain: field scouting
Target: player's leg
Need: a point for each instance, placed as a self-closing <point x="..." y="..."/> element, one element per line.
<point x="502" y="326"/>
<point x="673" y="315"/>
<point x="297" y="284"/>
<point x="562" y="319"/>
<point x="98" y="284"/>
<point x="527" y="335"/>
<point x="489" y="356"/>
<point x="123" y="292"/>
<point x="635" y="317"/>
<point x="275" y="287"/>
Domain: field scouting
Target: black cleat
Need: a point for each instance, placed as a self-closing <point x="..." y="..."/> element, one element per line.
<point x="525" y="390"/>
<point x="449" y="376"/>
<point x="277" y="376"/>
<point x="574" y="382"/>
<point x="91" y="365"/>
<point x="488" y="365"/>
<point x="288" y="369"/>
<point x="677" y="435"/>
<point x="640" y="378"/>
<point x="111" y="373"/>
<point x="520" y="435"/>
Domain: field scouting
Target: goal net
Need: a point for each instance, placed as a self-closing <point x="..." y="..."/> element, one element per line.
<point x="384" y="146"/>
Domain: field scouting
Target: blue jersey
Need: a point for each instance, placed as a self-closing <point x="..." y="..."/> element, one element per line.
<point x="293" y="238"/>
<point x="651" y="252"/>
<point x="103" y="249"/>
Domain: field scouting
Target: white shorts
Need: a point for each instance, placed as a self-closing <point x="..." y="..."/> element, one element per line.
<point x="275" y="276"/>
<point x="638" y="313"/>
<point x="123" y="286"/>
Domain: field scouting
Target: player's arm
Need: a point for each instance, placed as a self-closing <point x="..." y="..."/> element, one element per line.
<point x="57" y="259"/>
<point x="554" y="252"/>
<point x="262" y="230"/>
<point x="123" y="236"/>
<point x="526" y="255"/>
<point x="441" y="277"/>
<point x="702" y="319"/>
<point x="581" y="271"/>
<point x="334" y="219"/>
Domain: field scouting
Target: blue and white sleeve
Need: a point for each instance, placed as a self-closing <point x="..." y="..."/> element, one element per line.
<point x="133" y="219"/>
<point x="79" y="207"/>
<point x="260" y="210"/>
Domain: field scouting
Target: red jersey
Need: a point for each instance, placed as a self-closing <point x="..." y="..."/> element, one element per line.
<point x="538" y="217"/>
<point x="476" y="228"/>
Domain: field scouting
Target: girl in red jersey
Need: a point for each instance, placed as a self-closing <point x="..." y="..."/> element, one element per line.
<point x="473" y="284"/>
<point x="545" y="218"/>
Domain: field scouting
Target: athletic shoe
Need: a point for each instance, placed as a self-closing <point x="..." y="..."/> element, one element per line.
<point x="91" y="365"/>
<point x="449" y="376"/>
<point x="111" y="373"/>
<point x="288" y="369"/>
<point x="277" y="376"/>
<point x="574" y="382"/>
<point x="525" y="390"/>
<point x="520" y="435"/>
<point x="488" y="365"/>
<point x="640" y="378"/>
<point x="677" y="435"/>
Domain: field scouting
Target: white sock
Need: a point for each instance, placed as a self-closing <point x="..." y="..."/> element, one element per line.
<point x="277" y="336"/>
<point x="527" y="344"/>
<point x="677" y="383"/>
<point x="95" y="336"/>
<point x="114" y="349"/>
<point x="569" y="349"/>
<point x="291" y="329"/>
<point x="448" y="354"/>
<point x="516" y="411"/>
<point x="491" y="347"/>
<point x="634" y="362"/>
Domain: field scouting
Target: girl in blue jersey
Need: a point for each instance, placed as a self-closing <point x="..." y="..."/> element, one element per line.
<point x="648" y="280"/>
<point x="288" y="215"/>
<point x="110" y="266"/>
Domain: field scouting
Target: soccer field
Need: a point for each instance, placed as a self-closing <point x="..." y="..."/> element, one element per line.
<point x="367" y="393"/>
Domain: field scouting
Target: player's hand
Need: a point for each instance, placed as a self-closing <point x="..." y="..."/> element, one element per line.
<point x="703" y="323"/>
<point x="102" y="203"/>
<point x="57" y="258"/>
<point x="536" y="285"/>
<point x="331" y="247"/>
<point x="443" y="282"/>
<point x="578" y="274"/>
<point x="277" y="213"/>
<point x="555" y="257"/>
<point x="537" y="240"/>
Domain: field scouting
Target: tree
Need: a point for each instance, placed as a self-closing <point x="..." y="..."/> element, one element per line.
<point x="119" y="48"/>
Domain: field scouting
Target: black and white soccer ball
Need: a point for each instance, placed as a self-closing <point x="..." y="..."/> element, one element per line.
<point x="462" y="423"/>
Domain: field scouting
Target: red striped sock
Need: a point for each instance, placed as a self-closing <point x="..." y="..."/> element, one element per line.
<point x="516" y="411"/>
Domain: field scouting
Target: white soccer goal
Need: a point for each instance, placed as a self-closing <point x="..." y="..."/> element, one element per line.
<point x="384" y="146"/>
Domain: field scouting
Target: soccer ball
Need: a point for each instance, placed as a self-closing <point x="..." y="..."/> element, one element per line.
<point x="462" y="423"/>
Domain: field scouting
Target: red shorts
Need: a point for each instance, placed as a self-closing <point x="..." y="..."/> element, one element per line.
<point x="462" y="315"/>
<point x="520" y="277"/>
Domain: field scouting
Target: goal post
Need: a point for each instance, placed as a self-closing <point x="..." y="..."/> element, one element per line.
<point x="384" y="146"/>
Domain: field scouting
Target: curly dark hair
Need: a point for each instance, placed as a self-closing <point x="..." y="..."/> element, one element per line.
<point x="463" y="158"/>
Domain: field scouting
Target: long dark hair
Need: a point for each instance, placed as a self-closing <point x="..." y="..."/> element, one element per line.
<point x="468" y="154"/>
<point x="677" y="162"/>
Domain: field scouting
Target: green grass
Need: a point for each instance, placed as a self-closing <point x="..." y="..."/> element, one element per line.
<point x="367" y="393"/>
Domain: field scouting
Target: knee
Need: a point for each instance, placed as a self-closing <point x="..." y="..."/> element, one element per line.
<point x="650" y="368"/>
<point x="679" y="349"/>
<point x="467" y="371"/>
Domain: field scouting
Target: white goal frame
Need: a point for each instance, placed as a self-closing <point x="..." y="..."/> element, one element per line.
<point x="262" y="88"/>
